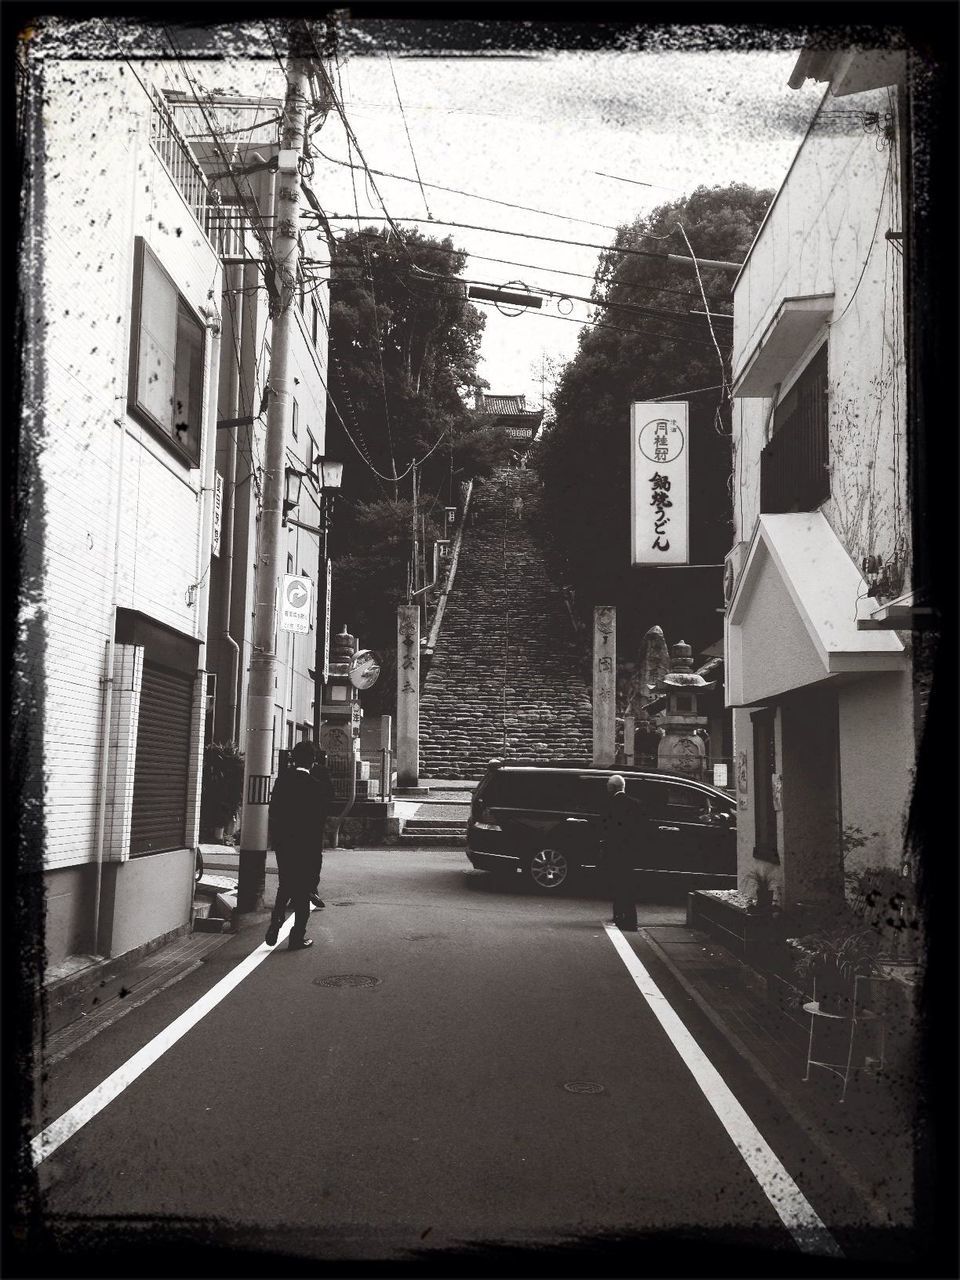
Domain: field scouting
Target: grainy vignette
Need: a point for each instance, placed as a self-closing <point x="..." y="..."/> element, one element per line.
<point x="442" y="32"/>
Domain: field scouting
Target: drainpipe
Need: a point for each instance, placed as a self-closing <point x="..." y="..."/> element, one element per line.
<point x="106" y="705"/>
<point x="232" y="319"/>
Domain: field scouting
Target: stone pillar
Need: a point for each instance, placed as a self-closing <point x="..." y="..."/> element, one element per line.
<point x="408" y="695"/>
<point x="604" y="685"/>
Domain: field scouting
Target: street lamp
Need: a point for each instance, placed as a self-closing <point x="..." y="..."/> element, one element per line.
<point x="327" y="473"/>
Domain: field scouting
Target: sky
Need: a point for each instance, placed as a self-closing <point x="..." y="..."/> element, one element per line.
<point x="540" y="131"/>
<point x="590" y="139"/>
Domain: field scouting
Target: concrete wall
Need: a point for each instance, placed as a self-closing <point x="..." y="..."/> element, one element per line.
<point x="145" y="897"/>
<point x="825" y="233"/>
<point x="876" y="739"/>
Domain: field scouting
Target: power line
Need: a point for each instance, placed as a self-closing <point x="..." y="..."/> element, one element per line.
<point x="413" y="154"/>
<point x="581" y="244"/>
<point x="600" y="324"/>
<point x="472" y="195"/>
<point x="561" y="271"/>
<point x="553" y="293"/>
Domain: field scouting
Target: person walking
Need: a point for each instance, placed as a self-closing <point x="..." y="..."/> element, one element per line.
<point x="322" y="774"/>
<point x="620" y="833"/>
<point x="297" y="812"/>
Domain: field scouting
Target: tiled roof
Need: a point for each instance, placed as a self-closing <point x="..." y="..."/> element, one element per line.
<point x="503" y="404"/>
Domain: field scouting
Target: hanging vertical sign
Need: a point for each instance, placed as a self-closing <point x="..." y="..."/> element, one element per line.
<point x="326" y="624"/>
<point x="659" y="483"/>
<point x="217" y="513"/>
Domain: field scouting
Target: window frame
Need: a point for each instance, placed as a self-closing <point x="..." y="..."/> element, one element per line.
<point x="166" y="435"/>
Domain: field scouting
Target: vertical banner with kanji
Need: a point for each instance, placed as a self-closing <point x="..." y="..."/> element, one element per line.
<point x="659" y="483"/>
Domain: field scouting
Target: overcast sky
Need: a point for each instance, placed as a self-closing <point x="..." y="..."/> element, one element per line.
<point x="538" y="131"/>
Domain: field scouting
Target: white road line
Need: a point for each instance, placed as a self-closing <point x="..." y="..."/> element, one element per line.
<point x="793" y="1208"/>
<point x="65" y="1126"/>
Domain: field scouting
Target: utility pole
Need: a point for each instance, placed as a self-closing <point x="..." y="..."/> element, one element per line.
<point x="261" y="695"/>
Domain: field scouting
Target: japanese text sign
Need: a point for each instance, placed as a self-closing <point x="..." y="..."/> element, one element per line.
<point x="296" y="596"/>
<point x="659" y="483"/>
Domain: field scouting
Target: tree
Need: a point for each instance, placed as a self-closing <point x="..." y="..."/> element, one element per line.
<point x="583" y="459"/>
<point x="404" y="344"/>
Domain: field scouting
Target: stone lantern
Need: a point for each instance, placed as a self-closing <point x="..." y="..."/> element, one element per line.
<point x="340" y="732"/>
<point x="685" y="745"/>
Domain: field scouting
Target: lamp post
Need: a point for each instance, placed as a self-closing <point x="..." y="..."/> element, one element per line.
<point x="329" y="474"/>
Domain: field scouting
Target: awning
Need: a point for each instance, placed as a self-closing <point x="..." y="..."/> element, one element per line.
<point x="792" y="621"/>
<point x="784" y="341"/>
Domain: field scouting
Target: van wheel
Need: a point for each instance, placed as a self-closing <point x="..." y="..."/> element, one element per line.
<point x="548" y="868"/>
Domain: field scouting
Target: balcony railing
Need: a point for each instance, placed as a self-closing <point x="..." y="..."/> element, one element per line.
<point x="794" y="473"/>
<point x="174" y="150"/>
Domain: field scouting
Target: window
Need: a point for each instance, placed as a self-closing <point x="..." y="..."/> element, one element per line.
<point x="314" y="321"/>
<point x="764" y="767"/>
<point x="793" y="465"/>
<point x="166" y="358"/>
<point x="295" y="420"/>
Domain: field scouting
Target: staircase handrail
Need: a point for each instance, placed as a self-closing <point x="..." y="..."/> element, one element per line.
<point x="451" y="574"/>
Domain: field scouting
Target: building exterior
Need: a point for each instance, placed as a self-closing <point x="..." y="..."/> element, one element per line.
<point x="126" y="286"/>
<point x="511" y="413"/>
<point x="821" y="688"/>
<point x="245" y="205"/>
<point x="150" y="287"/>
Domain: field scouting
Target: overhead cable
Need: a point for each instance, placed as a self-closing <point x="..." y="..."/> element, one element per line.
<point x="472" y="195"/>
<point x="529" y="235"/>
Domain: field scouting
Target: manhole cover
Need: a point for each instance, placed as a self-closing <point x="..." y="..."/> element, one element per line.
<point x="347" y="980"/>
<point x="583" y="1086"/>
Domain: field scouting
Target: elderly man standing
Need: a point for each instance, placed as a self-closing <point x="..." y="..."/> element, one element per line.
<point x="297" y="813"/>
<point x="621" y="831"/>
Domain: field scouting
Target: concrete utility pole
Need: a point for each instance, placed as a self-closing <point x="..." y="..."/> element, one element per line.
<point x="261" y="695"/>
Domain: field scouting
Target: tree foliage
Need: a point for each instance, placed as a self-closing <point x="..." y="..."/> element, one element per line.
<point x="584" y="459"/>
<point x="404" y="346"/>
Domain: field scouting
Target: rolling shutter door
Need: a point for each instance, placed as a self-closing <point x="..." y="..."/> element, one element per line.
<point x="163" y="755"/>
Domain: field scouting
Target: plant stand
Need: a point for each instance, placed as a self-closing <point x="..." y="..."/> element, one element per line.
<point x="856" y="1018"/>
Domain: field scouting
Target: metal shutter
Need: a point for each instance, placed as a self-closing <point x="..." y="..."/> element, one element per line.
<point x="163" y="756"/>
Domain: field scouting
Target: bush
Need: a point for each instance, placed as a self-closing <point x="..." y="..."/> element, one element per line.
<point x="222" y="789"/>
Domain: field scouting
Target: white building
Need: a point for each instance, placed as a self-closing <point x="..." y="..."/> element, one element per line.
<point x="824" y="732"/>
<point x="129" y="248"/>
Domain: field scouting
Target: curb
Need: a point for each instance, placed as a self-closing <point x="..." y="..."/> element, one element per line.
<point x="878" y="1213"/>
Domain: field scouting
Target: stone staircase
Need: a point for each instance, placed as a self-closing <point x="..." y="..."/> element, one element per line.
<point x="506" y="674"/>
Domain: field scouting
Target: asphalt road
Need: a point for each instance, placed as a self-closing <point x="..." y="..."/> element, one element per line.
<point x="455" y="1064"/>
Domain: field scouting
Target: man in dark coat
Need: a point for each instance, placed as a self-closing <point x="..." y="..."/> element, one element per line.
<point x="320" y="771"/>
<point x="297" y="813"/>
<point x="621" y="832"/>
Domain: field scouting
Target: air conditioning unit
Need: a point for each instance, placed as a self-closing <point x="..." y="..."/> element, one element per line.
<point x="732" y="567"/>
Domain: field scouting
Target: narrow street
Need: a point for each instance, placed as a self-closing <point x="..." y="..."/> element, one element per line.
<point x="456" y="1064"/>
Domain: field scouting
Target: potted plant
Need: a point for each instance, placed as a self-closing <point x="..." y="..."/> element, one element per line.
<point x="222" y="789"/>
<point x="829" y="959"/>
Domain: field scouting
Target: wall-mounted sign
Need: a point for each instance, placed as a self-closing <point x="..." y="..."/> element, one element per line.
<point x="296" y="597"/>
<point x="659" y="483"/>
<point x="217" y="513"/>
<point x="326" y="623"/>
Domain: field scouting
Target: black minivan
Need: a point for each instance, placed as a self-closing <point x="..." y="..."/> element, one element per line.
<point x="545" y="820"/>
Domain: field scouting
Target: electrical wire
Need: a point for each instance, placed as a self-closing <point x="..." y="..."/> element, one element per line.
<point x="529" y="235"/>
<point x="473" y="195"/>
<point x="413" y="154"/>
<point x="560" y="271"/>
<point x="574" y="297"/>
<point x="599" y="324"/>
